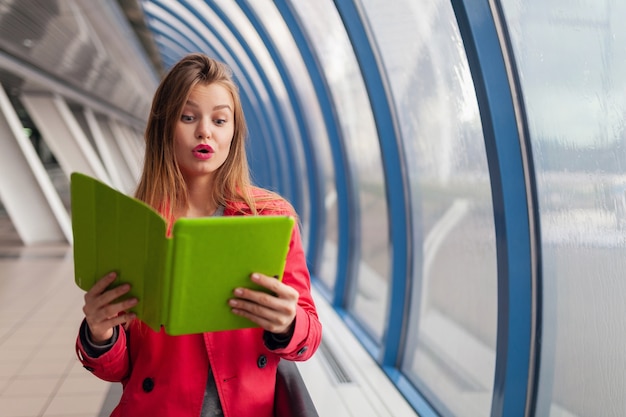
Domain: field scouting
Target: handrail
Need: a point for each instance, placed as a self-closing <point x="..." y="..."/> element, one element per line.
<point x="292" y="398"/>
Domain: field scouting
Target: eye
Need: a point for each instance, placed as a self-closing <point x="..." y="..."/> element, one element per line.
<point x="220" y="122"/>
<point x="187" y="118"/>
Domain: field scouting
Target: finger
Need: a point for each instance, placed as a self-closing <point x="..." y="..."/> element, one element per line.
<point x="120" y="319"/>
<point x="113" y="310"/>
<point x="251" y="308"/>
<point x="102" y="283"/>
<point x="93" y="304"/>
<point x="113" y="294"/>
<point x="271" y="322"/>
<point x="96" y="314"/>
<point x="102" y="331"/>
<point x="258" y="298"/>
<point x="260" y="321"/>
<point x="280" y="312"/>
<point x="271" y="283"/>
<point x="281" y="290"/>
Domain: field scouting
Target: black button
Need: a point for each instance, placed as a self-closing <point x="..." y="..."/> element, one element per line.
<point x="262" y="361"/>
<point x="89" y="368"/>
<point x="301" y="351"/>
<point x="148" y="384"/>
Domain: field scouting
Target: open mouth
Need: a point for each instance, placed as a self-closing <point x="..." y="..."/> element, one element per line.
<point x="203" y="152"/>
<point x="204" y="149"/>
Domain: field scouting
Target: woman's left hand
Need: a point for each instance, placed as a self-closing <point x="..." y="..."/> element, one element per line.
<point x="273" y="312"/>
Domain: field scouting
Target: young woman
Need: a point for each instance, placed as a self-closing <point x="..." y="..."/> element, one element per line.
<point x="195" y="165"/>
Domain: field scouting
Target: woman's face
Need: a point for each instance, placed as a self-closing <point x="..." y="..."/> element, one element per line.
<point x="205" y="130"/>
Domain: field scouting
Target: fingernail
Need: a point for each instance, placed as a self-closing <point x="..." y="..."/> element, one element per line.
<point x="238" y="291"/>
<point x="256" y="277"/>
<point x="232" y="303"/>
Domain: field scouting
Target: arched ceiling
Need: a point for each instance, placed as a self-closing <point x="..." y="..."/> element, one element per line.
<point x="94" y="51"/>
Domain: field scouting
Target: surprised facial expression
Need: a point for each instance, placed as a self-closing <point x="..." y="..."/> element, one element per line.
<point x="205" y="130"/>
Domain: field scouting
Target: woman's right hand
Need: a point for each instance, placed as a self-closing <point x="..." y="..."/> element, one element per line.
<point x="101" y="315"/>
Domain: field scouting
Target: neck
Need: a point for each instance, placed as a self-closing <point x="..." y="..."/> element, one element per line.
<point x="200" y="198"/>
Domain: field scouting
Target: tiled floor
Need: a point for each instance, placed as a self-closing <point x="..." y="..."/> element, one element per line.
<point x="40" y="310"/>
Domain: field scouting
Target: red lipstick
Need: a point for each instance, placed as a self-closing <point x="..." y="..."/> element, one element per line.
<point x="203" y="152"/>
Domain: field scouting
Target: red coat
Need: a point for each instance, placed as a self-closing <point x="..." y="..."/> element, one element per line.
<point x="166" y="375"/>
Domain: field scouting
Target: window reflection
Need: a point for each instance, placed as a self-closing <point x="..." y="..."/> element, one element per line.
<point x="275" y="25"/>
<point x="368" y="297"/>
<point x="297" y="189"/>
<point x="572" y="66"/>
<point x="450" y="352"/>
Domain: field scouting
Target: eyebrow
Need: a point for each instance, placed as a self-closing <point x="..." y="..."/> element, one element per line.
<point x="218" y="107"/>
<point x="222" y="106"/>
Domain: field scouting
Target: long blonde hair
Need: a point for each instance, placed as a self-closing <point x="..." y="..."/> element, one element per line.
<point x="162" y="185"/>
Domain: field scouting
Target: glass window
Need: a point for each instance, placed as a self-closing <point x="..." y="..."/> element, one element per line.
<point x="572" y="65"/>
<point x="75" y="45"/>
<point x="58" y="178"/>
<point x="368" y="300"/>
<point x="450" y="350"/>
<point x="278" y="30"/>
<point x="295" y="162"/>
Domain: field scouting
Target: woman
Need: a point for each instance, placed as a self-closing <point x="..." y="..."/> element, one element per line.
<point x="195" y="165"/>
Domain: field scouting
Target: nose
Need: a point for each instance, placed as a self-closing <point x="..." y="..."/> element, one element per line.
<point x="203" y="129"/>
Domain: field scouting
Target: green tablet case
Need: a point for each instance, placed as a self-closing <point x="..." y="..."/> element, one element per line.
<point x="183" y="282"/>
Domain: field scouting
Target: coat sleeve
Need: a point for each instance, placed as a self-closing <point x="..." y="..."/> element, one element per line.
<point x="307" y="332"/>
<point x="113" y="365"/>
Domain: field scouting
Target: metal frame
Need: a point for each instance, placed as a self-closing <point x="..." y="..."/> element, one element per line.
<point x="316" y="219"/>
<point x="343" y="181"/>
<point x="63" y="135"/>
<point x="27" y="193"/>
<point x="285" y="138"/>
<point x="394" y="164"/>
<point x="513" y="194"/>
